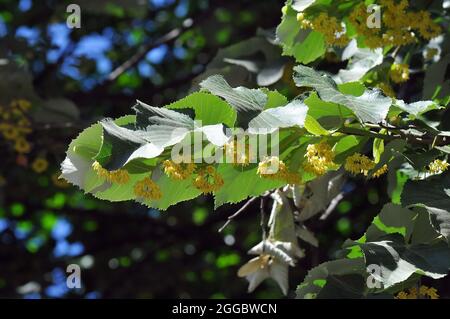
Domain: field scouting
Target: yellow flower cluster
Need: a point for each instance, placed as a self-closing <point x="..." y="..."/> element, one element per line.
<point x="399" y="72"/>
<point x="438" y="166"/>
<point x="387" y="89"/>
<point x="147" y="189"/>
<point x="15" y="126"/>
<point x="380" y="172"/>
<point x="359" y="164"/>
<point x="319" y="158"/>
<point x="273" y="168"/>
<point x="119" y="176"/>
<point x="208" y="180"/>
<point x="330" y="27"/>
<point x="179" y="171"/>
<point x="39" y="165"/>
<point x="59" y="182"/>
<point x="431" y="53"/>
<point x="238" y="152"/>
<point x="423" y="292"/>
<point x="399" y="26"/>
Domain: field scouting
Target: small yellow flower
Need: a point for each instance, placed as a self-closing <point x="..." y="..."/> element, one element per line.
<point x="238" y="152"/>
<point x="147" y="189"/>
<point x="275" y="169"/>
<point x="358" y="163"/>
<point x="22" y="104"/>
<point x="424" y="24"/>
<point x="431" y="53"/>
<point x="438" y="166"/>
<point x="399" y="26"/>
<point x="22" y="146"/>
<point x="179" y="171"/>
<point x="270" y="167"/>
<point x="399" y="72"/>
<point x="39" y="165"/>
<point x="10" y="132"/>
<point x="380" y="172"/>
<point x="208" y="180"/>
<point x="24" y="122"/>
<point x="319" y="158"/>
<point x="387" y="89"/>
<point x="59" y="182"/>
<point x="428" y="291"/>
<point x="5" y="114"/>
<point x="119" y="176"/>
<point x="423" y="292"/>
<point x="101" y="172"/>
<point x="330" y="27"/>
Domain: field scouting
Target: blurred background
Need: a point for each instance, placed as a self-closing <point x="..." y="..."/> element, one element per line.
<point x="55" y="81"/>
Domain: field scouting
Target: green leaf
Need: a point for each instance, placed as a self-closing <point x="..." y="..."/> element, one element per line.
<point x="305" y="45"/>
<point x="173" y="191"/>
<point x="416" y="108"/>
<point x="322" y="281"/>
<point x="346" y="146"/>
<point x="318" y="108"/>
<point x="424" y="232"/>
<point x="56" y="111"/>
<point x="434" y="195"/>
<point x="77" y="166"/>
<point x="352" y="88"/>
<point x="392" y="150"/>
<point x="240" y="61"/>
<point x="289" y="30"/>
<point x="309" y="50"/>
<point x="372" y="106"/>
<point x="241" y="99"/>
<point x="398" y="261"/>
<point x="147" y="115"/>
<point x="393" y="219"/>
<point x="274" y="99"/>
<point x="436" y="82"/>
<point x="360" y="62"/>
<point x="300" y="5"/>
<point x="240" y="184"/>
<point x="119" y="192"/>
<point x="290" y="115"/>
<point x="314" y="127"/>
<point x="209" y="109"/>
<point x="121" y="145"/>
<point x="161" y="126"/>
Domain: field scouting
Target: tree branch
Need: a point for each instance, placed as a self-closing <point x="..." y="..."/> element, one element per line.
<point x="140" y="54"/>
<point x="438" y="140"/>
<point x="243" y="208"/>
